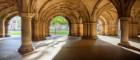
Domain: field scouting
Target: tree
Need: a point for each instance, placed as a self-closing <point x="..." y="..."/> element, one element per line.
<point x="58" y="20"/>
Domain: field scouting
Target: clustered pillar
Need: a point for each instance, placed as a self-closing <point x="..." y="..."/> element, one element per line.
<point x="6" y="29"/>
<point x="93" y="30"/>
<point x="74" y="29"/>
<point x="85" y="31"/>
<point x="89" y="31"/>
<point x="2" y="31"/>
<point x="124" y="23"/>
<point x="47" y="30"/>
<point x="133" y="24"/>
<point x="26" y="45"/>
<point x="81" y="29"/>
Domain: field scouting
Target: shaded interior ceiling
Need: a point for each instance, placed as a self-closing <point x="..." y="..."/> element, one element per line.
<point x="72" y="9"/>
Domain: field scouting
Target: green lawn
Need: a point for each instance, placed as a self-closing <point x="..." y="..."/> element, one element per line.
<point x="14" y="33"/>
<point x="62" y="32"/>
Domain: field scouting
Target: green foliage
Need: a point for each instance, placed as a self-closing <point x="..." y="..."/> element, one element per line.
<point x="55" y="22"/>
<point x="59" y="20"/>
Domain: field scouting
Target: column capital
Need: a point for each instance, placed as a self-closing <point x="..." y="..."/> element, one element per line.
<point x="27" y="15"/>
<point x="125" y="18"/>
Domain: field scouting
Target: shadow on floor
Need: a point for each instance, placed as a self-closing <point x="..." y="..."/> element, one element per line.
<point x="93" y="50"/>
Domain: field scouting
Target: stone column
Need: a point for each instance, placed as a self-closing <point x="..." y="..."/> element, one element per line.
<point x="47" y="29"/>
<point x="106" y="29"/>
<point x="93" y="33"/>
<point x="35" y="31"/>
<point x="81" y="29"/>
<point x="78" y="29"/>
<point x="44" y="31"/>
<point x="138" y="28"/>
<point x="26" y="45"/>
<point x="74" y="29"/>
<point x="110" y="30"/>
<point x="6" y="29"/>
<point x="89" y="31"/>
<point x="133" y="29"/>
<point x="85" y="31"/>
<point x="114" y="30"/>
<point x="2" y="29"/>
<point x="124" y="24"/>
<point x="101" y="30"/>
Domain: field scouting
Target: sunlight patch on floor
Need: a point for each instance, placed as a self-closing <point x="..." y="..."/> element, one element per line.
<point x="116" y="40"/>
<point x="138" y="36"/>
<point x="2" y="38"/>
<point x="112" y="40"/>
<point x="135" y="44"/>
<point x="47" y="51"/>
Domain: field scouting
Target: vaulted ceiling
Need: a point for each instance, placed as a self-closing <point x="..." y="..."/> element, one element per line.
<point x="72" y="9"/>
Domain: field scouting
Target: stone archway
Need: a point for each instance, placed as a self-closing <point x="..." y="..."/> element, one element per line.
<point x="8" y="23"/>
<point x="13" y="26"/>
<point x="134" y="23"/>
<point x="59" y="25"/>
<point x="101" y="27"/>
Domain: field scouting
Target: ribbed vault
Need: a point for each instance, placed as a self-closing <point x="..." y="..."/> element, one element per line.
<point x="82" y="15"/>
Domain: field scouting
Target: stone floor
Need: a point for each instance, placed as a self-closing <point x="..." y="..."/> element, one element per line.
<point x="66" y="48"/>
<point x="134" y="42"/>
<point x="9" y="47"/>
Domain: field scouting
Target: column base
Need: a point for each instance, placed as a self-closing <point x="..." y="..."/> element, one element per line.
<point x="1" y="36"/>
<point x="84" y="37"/>
<point x="74" y="35"/>
<point x="92" y="38"/>
<point x="48" y="35"/>
<point x="133" y="37"/>
<point x="124" y="44"/>
<point x="44" y="38"/>
<point x="25" y="49"/>
<point x="7" y="35"/>
<point x="89" y="37"/>
<point x="39" y="39"/>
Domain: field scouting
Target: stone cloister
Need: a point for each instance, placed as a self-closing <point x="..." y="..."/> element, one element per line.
<point x="111" y="17"/>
